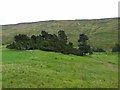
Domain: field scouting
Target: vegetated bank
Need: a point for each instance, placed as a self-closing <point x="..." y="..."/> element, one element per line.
<point x="49" y="42"/>
<point x="102" y="33"/>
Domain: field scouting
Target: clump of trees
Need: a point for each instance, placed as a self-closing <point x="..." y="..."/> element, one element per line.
<point x="116" y="48"/>
<point x="49" y="42"/>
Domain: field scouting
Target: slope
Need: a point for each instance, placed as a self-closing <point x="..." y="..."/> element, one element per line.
<point x="102" y="32"/>
<point x="41" y="69"/>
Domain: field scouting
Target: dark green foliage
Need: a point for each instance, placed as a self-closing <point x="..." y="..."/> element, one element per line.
<point x="98" y="50"/>
<point x="82" y="38"/>
<point x="62" y="36"/>
<point x="21" y="38"/>
<point x="83" y="47"/>
<point x="49" y="42"/>
<point x="22" y="42"/>
<point x="70" y="44"/>
<point x="116" y="48"/>
<point x="12" y="45"/>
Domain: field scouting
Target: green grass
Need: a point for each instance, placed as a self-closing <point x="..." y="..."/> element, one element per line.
<point x="0" y="67"/>
<point x="41" y="69"/>
<point x="102" y="32"/>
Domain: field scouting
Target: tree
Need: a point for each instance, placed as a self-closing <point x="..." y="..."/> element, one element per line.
<point x="34" y="38"/>
<point x="82" y="38"/>
<point x="44" y="34"/>
<point x="21" y="38"/>
<point x="62" y="36"/>
<point x="22" y="42"/>
<point x="83" y="47"/>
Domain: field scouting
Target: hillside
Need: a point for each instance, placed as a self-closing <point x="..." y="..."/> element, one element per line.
<point x="41" y="69"/>
<point x="101" y="32"/>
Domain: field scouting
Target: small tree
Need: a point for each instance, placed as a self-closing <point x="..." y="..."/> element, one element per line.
<point x="62" y="36"/>
<point x="83" y="47"/>
<point x="22" y="42"/>
<point x="34" y="38"/>
<point x="44" y="34"/>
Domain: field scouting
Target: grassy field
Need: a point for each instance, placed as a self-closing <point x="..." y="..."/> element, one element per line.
<point x="40" y="69"/>
<point x="0" y="67"/>
<point x="101" y="32"/>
